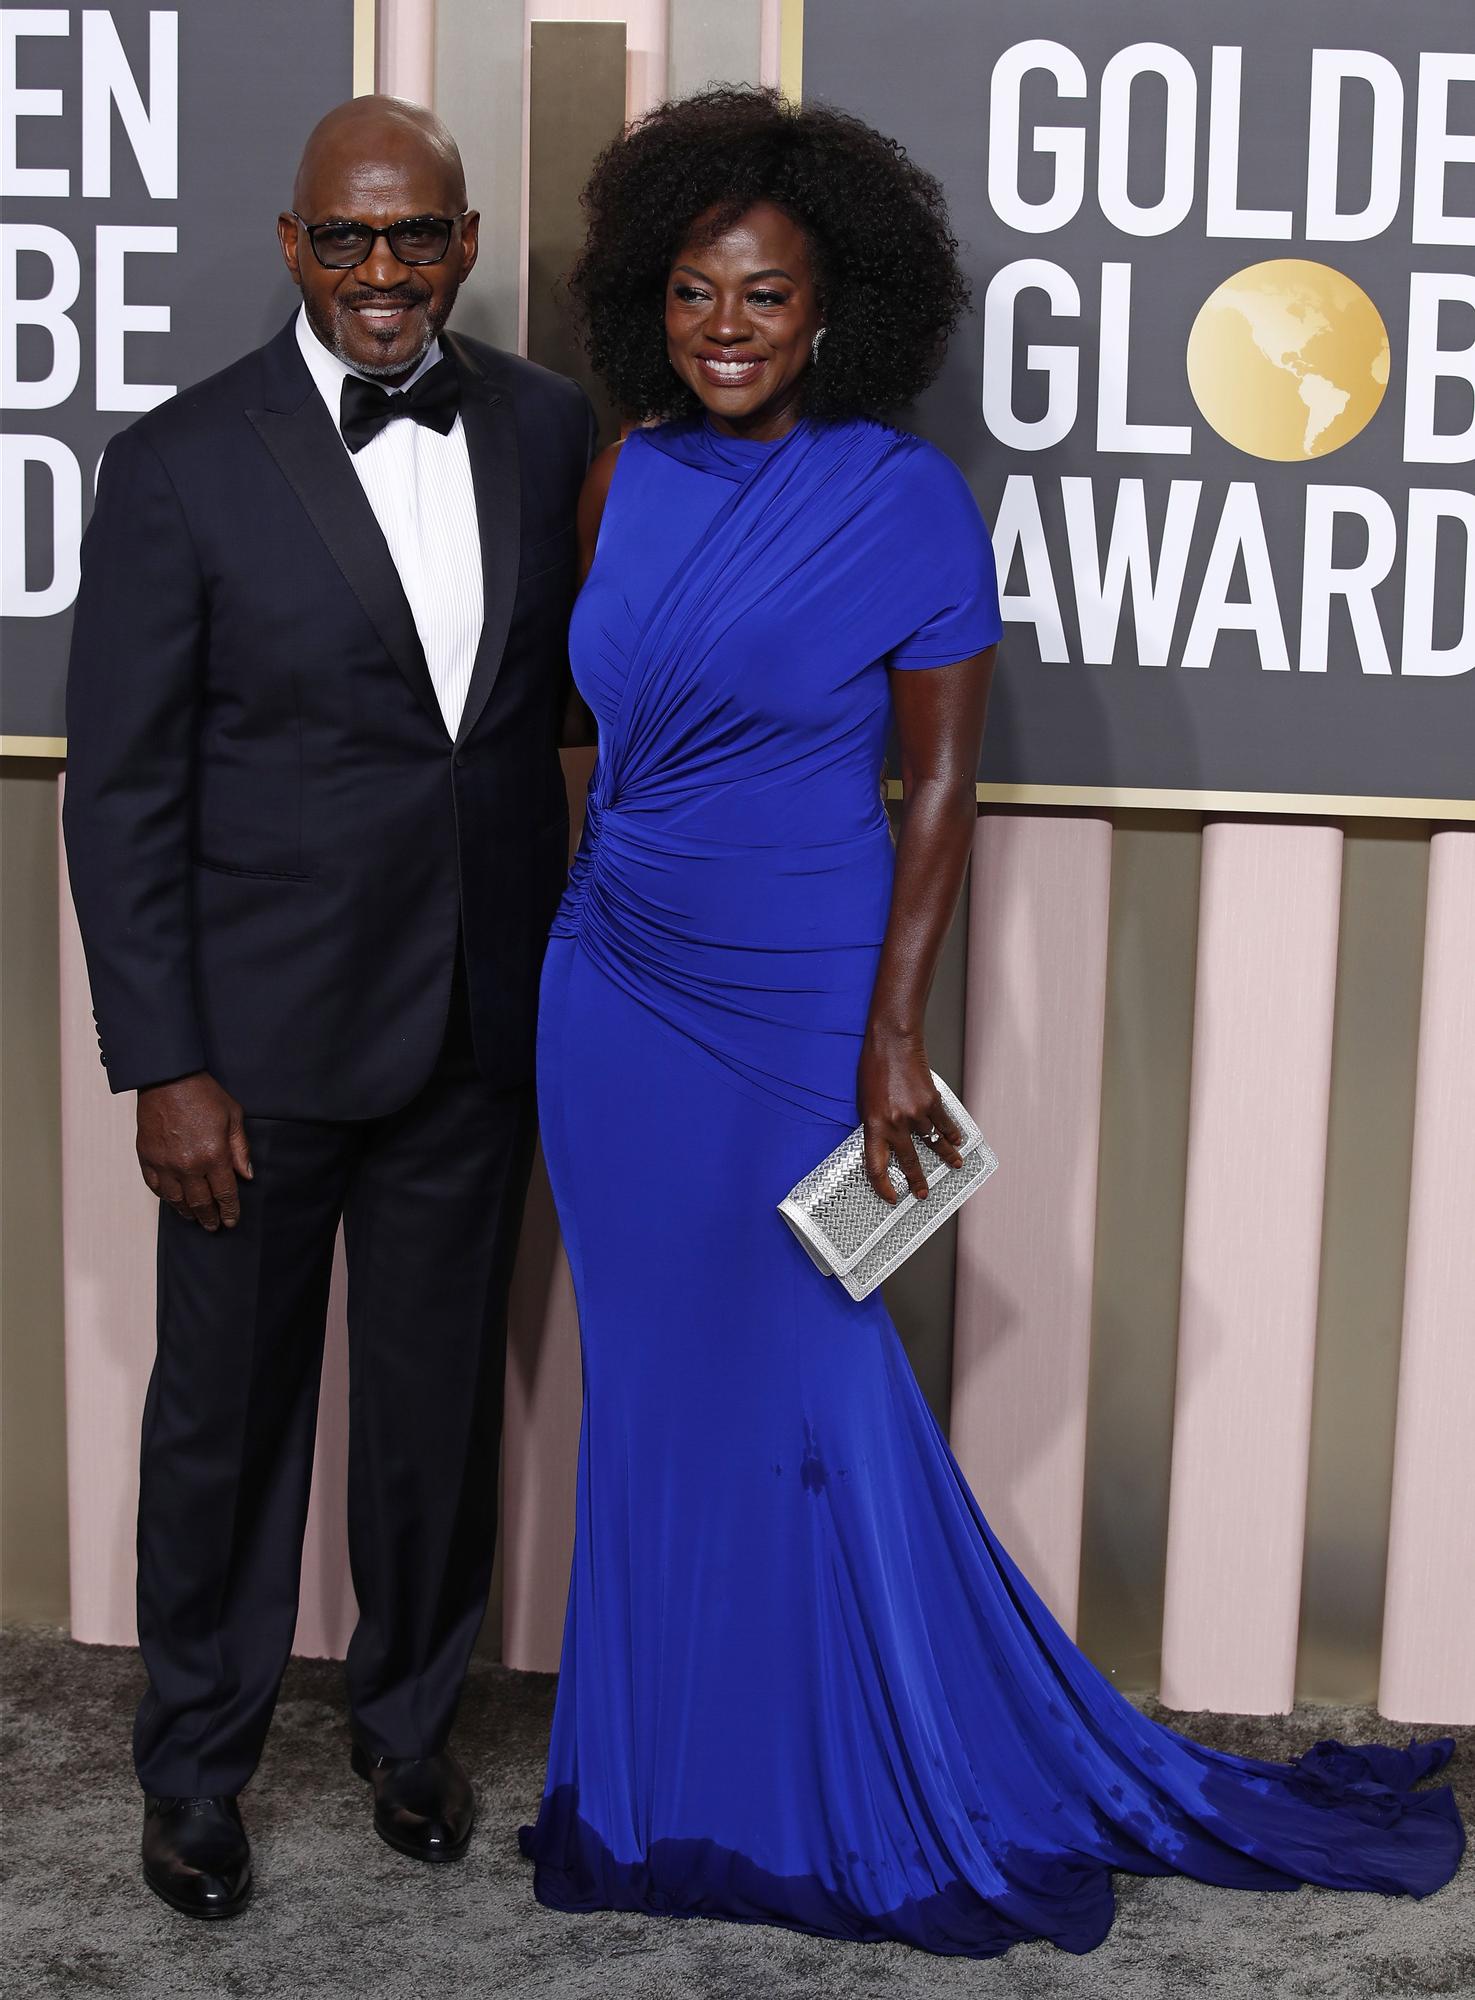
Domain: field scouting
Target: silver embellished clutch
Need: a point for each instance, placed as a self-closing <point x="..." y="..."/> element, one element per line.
<point x="852" y="1234"/>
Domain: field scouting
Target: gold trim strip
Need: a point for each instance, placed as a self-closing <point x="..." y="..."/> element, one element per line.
<point x="364" y="47"/>
<point x="791" y="49"/>
<point x="1263" y="805"/>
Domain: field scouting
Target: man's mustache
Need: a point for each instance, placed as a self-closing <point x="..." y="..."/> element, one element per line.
<point x="384" y="299"/>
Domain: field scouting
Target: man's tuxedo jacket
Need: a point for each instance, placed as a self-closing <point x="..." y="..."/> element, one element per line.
<point x="273" y="840"/>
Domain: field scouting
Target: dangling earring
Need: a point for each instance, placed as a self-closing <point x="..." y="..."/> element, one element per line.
<point x="814" y="346"/>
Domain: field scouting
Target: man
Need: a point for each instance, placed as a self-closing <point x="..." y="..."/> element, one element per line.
<point x="317" y="831"/>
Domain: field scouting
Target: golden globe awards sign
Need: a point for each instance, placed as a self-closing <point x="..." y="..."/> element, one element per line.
<point x="1218" y="393"/>
<point x="145" y="153"/>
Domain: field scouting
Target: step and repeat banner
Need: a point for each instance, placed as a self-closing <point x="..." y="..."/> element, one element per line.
<point x="145" y="153"/>
<point x="1217" y="396"/>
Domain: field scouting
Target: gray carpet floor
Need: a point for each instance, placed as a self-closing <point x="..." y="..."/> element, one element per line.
<point x="336" y="1913"/>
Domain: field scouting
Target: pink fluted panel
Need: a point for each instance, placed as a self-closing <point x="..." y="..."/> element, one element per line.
<point x="1262" y="1047"/>
<point x="406" y="56"/>
<point x="1041" y="890"/>
<point x="1428" y="1665"/>
<point x="769" y="30"/>
<point x="109" y="1222"/>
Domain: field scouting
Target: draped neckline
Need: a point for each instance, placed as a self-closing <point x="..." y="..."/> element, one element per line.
<point x="695" y="441"/>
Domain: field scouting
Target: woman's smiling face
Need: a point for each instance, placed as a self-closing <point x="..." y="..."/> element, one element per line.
<point x="742" y="311"/>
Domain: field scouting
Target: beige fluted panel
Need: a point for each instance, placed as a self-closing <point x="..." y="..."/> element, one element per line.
<point x="1041" y="887"/>
<point x="1267" y="958"/>
<point x="1428" y="1667"/>
<point x="406" y="66"/>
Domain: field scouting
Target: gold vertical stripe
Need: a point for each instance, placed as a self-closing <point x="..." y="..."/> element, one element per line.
<point x="365" y="32"/>
<point x="1364" y="1231"/>
<point x="791" y="49"/>
<point x="1151" y="963"/>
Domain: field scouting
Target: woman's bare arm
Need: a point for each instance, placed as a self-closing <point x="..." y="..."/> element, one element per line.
<point x="939" y="717"/>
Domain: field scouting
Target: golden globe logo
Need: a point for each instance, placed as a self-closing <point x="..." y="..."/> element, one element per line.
<point x="1288" y="360"/>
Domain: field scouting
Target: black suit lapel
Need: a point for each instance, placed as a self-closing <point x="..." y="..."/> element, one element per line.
<point x="491" y="443"/>
<point x="298" y="431"/>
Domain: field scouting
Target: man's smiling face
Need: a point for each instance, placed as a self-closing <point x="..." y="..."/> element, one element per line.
<point x="378" y="163"/>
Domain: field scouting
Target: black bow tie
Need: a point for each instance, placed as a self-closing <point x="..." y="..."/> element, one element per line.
<point x="365" y="408"/>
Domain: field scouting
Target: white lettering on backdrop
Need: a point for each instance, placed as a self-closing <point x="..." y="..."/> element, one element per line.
<point x="1116" y="563"/>
<point x="41" y="272"/>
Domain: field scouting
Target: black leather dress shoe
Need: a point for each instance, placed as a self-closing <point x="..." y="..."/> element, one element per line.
<point x="196" y="1855"/>
<point x="423" y="1806"/>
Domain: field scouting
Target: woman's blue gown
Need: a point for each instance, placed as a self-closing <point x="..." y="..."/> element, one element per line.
<point x="802" y="1683"/>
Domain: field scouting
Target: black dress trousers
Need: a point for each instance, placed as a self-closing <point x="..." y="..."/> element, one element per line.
<point x="431" y="1202"/>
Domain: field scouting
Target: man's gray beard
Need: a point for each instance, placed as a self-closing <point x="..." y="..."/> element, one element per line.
<point x="393" y="368"/>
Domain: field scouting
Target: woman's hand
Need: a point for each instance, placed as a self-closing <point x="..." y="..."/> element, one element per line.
<point x="897" y="1099"/>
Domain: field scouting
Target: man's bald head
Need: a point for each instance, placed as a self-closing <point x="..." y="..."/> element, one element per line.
<point x="382" y="131"/>
<point x="377" y="161"/>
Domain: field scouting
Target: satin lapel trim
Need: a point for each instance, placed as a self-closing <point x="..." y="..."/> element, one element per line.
<point x="310" y="453"/>
<point x="491" y="445"/>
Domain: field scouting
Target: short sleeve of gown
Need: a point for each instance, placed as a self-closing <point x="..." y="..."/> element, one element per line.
<point x="954" y="566"/>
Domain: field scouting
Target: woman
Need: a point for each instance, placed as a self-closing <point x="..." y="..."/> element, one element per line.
<point x="801" y="1681"/>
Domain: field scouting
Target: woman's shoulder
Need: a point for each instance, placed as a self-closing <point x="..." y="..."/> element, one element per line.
<point x="927" y="492"/>
<point x="925" y="469"/>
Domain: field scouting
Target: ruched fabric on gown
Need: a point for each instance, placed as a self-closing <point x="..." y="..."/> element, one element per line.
<point x="802" y="1683"/>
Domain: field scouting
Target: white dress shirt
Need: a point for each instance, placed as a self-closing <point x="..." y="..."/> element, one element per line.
<point x="419" y="486"/>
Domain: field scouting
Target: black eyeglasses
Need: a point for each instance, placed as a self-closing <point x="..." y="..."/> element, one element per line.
<point x="342" y="246"/>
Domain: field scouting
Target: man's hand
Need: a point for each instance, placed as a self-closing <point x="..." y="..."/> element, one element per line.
<point x="191" y="1146"/>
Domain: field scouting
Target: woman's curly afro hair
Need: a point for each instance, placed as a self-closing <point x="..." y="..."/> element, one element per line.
<point x="885" y="259"/>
